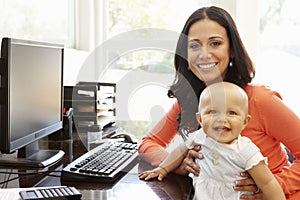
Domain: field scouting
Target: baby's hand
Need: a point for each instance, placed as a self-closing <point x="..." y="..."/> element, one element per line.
<point x="160" y="173"/>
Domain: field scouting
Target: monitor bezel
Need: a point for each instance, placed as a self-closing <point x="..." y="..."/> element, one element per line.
<point x="7" y="145"/>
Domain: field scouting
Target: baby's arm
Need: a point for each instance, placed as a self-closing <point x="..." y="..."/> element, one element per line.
<point x="266" y="182"/>
<point x="158" y="172"/>
<point x="173" y="160"/>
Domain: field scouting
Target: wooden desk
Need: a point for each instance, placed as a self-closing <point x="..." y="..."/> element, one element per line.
<point x="127" y="187"/>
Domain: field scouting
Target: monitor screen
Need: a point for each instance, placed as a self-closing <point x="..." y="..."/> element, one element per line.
<point x="31" y="92"/>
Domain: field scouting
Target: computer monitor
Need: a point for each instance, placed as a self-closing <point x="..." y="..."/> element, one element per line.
<point x="31" y="107"/>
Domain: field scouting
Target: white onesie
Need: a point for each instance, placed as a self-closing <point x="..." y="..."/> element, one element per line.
<point x="222" y="165"/>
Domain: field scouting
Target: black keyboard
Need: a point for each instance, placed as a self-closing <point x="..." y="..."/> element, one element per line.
<point x="105" y="163"/>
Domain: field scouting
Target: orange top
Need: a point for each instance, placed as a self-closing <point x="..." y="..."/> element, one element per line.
<point x="272" y="123"/>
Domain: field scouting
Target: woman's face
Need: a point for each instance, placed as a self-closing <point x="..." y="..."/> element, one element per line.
<point x="208" y="50"/>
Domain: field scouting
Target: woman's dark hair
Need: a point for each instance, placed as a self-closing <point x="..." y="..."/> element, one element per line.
<point x="187" y="87"/>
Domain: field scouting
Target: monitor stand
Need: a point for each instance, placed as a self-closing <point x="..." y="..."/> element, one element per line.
<point x="32" y="156"/>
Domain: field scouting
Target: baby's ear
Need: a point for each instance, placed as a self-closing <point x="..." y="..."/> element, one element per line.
<point x="198" y="117"/>
<point x="247" y="119"/>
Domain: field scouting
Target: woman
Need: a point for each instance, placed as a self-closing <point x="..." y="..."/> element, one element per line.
<point x="210" y="50"/>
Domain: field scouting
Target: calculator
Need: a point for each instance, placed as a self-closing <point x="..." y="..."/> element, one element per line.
<point x="55" y="193"/>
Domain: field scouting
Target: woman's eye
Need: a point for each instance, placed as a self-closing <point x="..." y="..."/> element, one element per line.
<point x="215" y="43"/>
<point x="194" y="46"/>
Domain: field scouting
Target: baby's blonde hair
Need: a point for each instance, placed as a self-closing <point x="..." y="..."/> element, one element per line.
<point x="218" y="90"/>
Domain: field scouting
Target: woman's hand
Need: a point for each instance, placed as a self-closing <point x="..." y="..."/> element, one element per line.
<point x="248" y="184"/>
<point x="188" y="165"/>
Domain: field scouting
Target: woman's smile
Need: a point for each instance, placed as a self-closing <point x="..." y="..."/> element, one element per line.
<point x="207" y="66"/>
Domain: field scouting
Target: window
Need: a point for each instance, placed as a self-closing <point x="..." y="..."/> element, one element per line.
<point x="278" y="55"/>
<point x="45" y="20"/>
<point x="134" y="14"/>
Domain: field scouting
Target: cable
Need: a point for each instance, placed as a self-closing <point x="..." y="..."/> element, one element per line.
<point x="7" y="176"/>
<point x="30" y="173"/>
<point x="6" y="181"/>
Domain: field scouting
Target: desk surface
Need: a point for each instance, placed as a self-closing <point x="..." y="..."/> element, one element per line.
<point x="173" y="187"/>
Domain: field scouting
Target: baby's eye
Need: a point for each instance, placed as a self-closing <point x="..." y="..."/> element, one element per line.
<point x="232" y="113"/>
<point x="212" y="112"/>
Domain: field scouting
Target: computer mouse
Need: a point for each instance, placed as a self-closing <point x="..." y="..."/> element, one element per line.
<point x="128" y="137"/>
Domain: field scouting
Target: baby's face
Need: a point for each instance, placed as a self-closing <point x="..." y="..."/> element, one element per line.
<point x="223" y="116"/>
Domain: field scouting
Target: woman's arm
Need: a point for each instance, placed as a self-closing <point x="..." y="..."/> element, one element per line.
<point x="152" y="147"/>
<point x="266" y="182"/>
<point x="280" y="125"/>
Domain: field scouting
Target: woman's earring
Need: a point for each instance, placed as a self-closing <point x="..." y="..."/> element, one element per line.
<point x="230" y="64"/>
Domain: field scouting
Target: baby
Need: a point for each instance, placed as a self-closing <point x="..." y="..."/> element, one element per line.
<point x="223" y="114"/>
